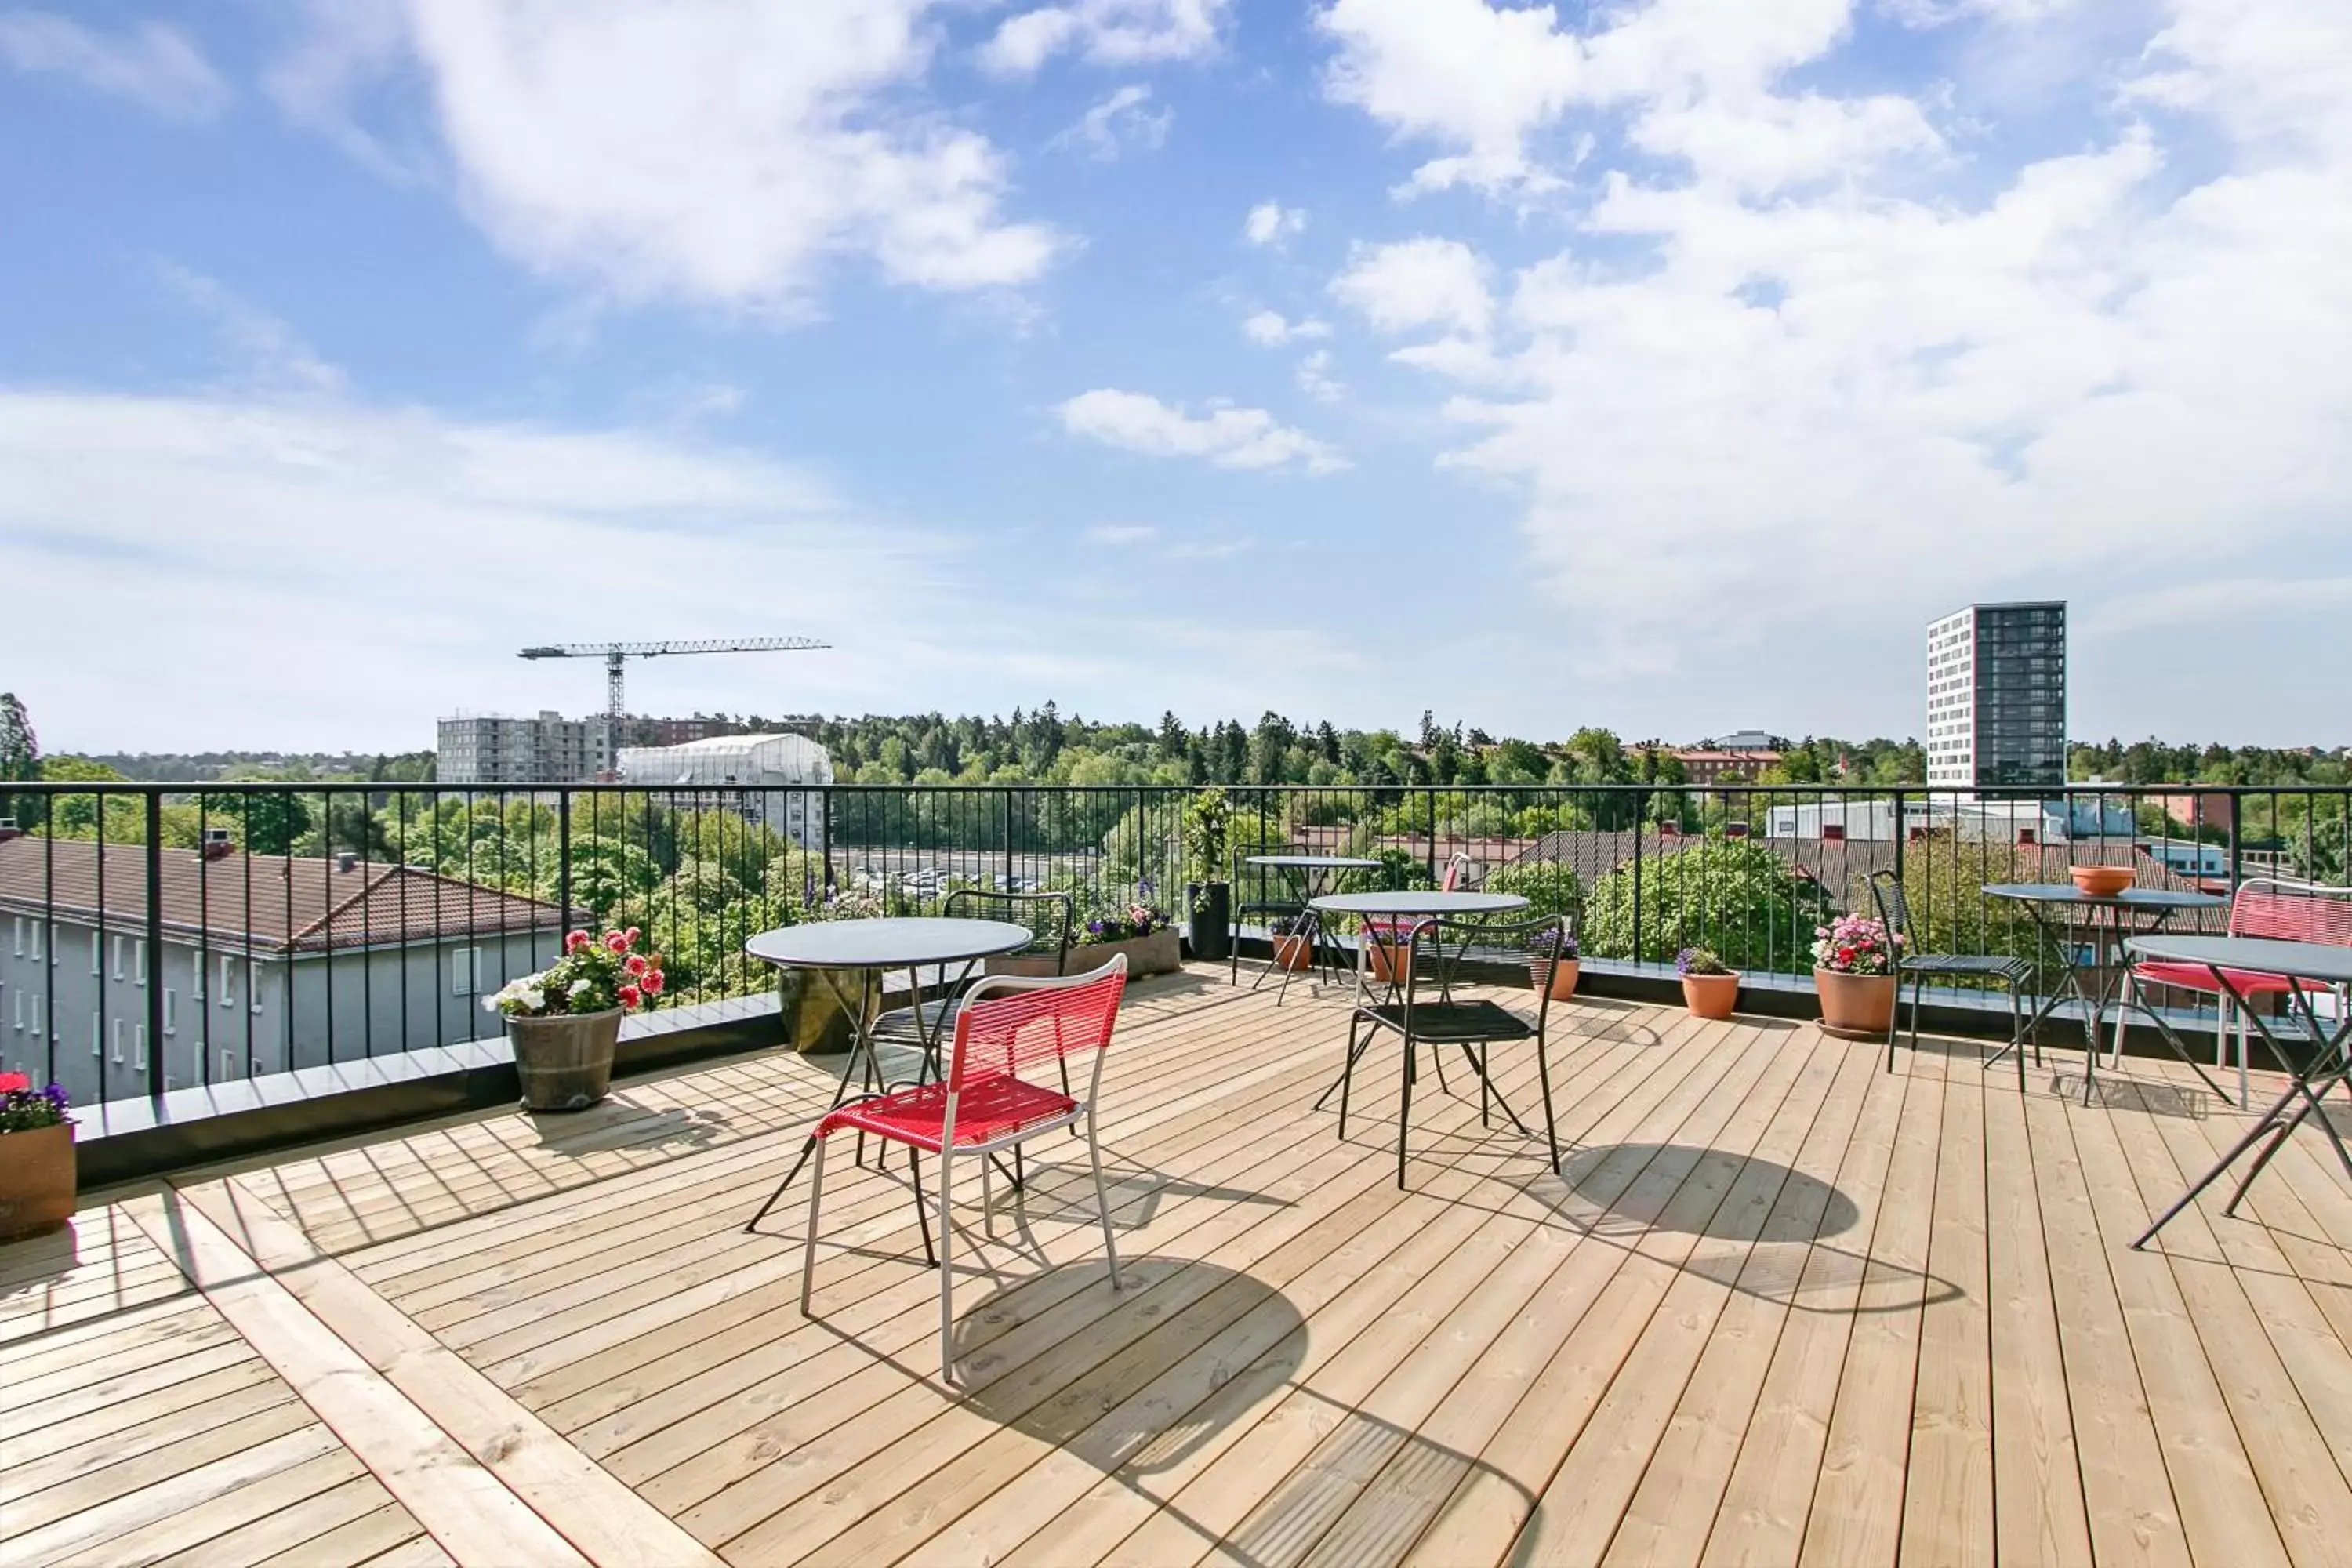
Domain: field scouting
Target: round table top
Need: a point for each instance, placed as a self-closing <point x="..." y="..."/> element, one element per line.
<point x="1314" y="862"/>
<point x="2322" y="961"/>
<point x="884" y="943"/>
<point x="2129" y="899"/>
<point x="1418" y="902"/>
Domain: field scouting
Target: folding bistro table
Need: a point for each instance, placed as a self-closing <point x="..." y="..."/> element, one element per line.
<point x="2057" y="909"/>
<point x="871" y="949"/>
<point x="1308" y="877"/>
<point x="2314" y="966"/>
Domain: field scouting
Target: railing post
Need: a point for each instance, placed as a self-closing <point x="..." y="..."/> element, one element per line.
<point x="2237" y="802"/>
<point x="562" y="863"/>
<point x="154" y="964"/>
<point x="1898" y="834"/>
<point x="1008" y="841"/>
<point x="1637" y="886"/>
<point x="1430" y="857"/>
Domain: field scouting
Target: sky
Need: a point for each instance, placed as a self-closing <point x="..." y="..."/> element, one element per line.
<point x="1666" y="364"/>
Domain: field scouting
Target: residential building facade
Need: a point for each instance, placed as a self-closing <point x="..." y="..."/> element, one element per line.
<point x="264" y="959"/>
<point x="489" y="749"/>
<point x="1997" y="697"/>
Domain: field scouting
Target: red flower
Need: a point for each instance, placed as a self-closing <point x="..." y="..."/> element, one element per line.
<point x="15" y="1083"/>
<point x="635" y="964"/>
<point x="630" y="996"/>
<point x="652" y="982"/>
<point x="575" y="942"/>
<point x="616" y="942"/>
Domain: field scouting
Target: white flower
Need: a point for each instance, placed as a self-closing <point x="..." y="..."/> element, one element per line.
<point x="579" y="988"/>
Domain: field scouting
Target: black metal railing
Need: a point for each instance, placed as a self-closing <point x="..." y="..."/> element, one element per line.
<point x="164" y="936"/>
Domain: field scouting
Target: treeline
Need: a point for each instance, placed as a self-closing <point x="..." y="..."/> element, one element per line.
<point x="2151" y="762"/>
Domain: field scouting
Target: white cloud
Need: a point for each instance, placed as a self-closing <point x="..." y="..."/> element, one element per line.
<point x="2218" y="602"/>
<point x="1269" y="328"/>
<point x="1494" y="82"/>
<point x="1423" y="282"/>
<point x="403" y="553"/>
<point x="1118" y="122"/>
<point x="1316" y="380"/>
<point x="700" y="153"/>
<point x="1122" y="533"/>
<point x="1107" y="32"/>
<point x="1228" y="438"/>
<point x="268" y="354"/>
<point x="152" y="64"/>
<point x="1271" y="222"/>
<point x="1780" y="368"/>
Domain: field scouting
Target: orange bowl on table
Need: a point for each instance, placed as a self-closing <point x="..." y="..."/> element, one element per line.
<point x="2101" y="881"/>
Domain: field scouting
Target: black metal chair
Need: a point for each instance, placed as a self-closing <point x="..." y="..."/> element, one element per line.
<point x="1423" y="1010"/>
<point x="1052" y="919"/>
<point x="2009" y="973"/>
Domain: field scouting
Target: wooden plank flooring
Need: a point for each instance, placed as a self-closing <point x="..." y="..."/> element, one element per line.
<point x="1779" y="1306"/>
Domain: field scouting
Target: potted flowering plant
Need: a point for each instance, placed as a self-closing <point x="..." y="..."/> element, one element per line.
<point x="1292" y="949"/>
<point x="36" y="1157"/>
<point x="1562" y="969"/>
<point x="565" y="1020"/>
<point x="1855" y="962"/>
<point x="1709" y="985"/>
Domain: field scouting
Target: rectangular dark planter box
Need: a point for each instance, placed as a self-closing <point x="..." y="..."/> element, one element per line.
<point x="1158" y="953"/>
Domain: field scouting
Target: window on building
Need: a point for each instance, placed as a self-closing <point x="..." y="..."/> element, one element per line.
<point x="118" y="957"/>
<point x="35" y="1009"/>
<point x="95" y="953"/>
<point x="139" y="1047"/>
<point x="96" y="1038"/>
<point x="465" y="972"/>
<point x="117" y="1042"/>
<point x="139" y="962"/>
<point x="37" y="943"/>
<point x="171" y="1011"/>
<point x="227" y="983"/>
<point x="253" y="984"/>
<point x="228" y="1065"/>
<point x="196" y="976"/>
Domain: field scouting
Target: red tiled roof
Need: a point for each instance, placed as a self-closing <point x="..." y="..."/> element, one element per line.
<point x="269" y="902"/>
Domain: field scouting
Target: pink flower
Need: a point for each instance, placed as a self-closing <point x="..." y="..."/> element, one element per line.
<point x="575" y="942"/>
<point x="652" y="982"/>
<point x="15" y="1083"/>
<point x="635" y="964"/>
<point x="632" y="934"/>
<point x="630" y="995"/>
<point x="616" y="942"/>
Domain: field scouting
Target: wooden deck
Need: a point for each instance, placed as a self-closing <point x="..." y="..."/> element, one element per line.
<point x="1782" y="1307"/>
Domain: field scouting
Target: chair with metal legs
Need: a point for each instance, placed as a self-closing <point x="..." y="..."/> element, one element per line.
<point x="2269" y="907"/>
<point x="2009" y="973"/>
<point x="1052" y="916"/>
<point x="1426" y="1012"/>
<point x="984" y="1107"/>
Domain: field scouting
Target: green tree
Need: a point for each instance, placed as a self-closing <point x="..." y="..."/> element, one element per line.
<point x="1737" y="896"/>
<point x="20" y="753"/>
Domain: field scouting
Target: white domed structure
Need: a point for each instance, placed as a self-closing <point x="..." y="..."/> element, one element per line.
<point x="766" y="777"/>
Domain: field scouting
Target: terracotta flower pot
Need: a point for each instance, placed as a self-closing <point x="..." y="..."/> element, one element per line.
<point x="2100" y="882"/>
<point x="1857" y="1005"/>
<point x="1390" y="962"/>
<point x="565" y="1062"/>
<point x="1292" y="953"/>
<point x="37" y="1180"/>
<point x="1562" y="983"/>
<point x="1710" y="995"/>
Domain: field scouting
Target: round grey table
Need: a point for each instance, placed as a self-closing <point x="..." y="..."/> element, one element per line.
<point x="1308" y="877"/>
<point x="2056" y="907"/>
<point x="871" y="949"/>
<point x="2316" y="964"/>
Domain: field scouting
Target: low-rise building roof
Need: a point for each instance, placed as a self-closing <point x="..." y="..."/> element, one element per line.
<point x="265" y="903"/>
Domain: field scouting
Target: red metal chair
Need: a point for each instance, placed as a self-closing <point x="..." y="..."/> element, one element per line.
<point x="983" y="1105"/>
<point x="2262" y="906"/>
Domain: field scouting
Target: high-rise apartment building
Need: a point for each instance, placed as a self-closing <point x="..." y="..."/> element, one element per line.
<point x="548" y="749"/>
<point x="1997" y="697"/>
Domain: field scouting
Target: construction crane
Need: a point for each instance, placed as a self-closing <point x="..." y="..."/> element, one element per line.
<point x="616" y="654"/>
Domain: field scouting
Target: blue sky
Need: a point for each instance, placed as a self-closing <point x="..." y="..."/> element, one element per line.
<point x="1664" y="365"/>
